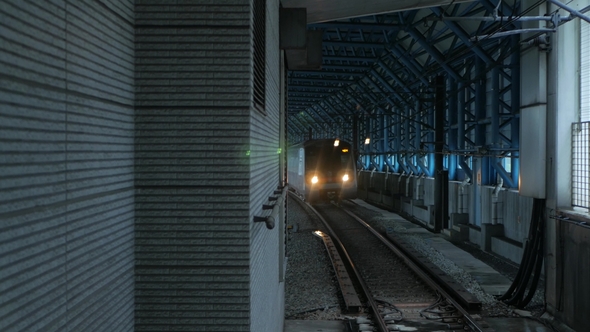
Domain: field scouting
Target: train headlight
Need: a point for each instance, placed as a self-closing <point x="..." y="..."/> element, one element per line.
<point x="345" y="177"/>
<point x="314" y="179"/>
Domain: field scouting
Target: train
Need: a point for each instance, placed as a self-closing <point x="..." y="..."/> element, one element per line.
<point x="322" y="170"/>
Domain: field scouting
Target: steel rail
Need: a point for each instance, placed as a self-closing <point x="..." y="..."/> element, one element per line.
<point x="423" y="275"/>
<point x="382" y="325"/>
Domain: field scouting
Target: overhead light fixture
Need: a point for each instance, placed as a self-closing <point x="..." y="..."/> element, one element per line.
<point x="367" y="140"/>
<point x="336" y="142"/>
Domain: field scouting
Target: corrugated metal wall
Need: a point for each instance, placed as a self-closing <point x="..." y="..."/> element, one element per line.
<point x="266" y="290"/>
<point x="66" y="165"/>
<point x="193" y="162"/>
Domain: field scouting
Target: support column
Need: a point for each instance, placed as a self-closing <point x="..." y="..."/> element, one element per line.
<point x="441" y="177"/>
<point x="452" y="134"/>
<point x="515" y="108"/>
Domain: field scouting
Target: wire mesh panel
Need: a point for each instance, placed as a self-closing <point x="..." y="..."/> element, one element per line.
<point x="584" y="71"/>
<point x="581" y="164"/>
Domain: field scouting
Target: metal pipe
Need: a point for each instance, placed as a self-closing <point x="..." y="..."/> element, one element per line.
<point x="462" y="193"/>
<point x="511" y="32"/>
<point x="571" y="10"/>
<point x="408" y="184"/>
<point x="495" y="201"/>
<point x="419" y="181"/>
<point x="399" y="180"/>
<point x="386" y="176"/>
<point x="499" y="18"/>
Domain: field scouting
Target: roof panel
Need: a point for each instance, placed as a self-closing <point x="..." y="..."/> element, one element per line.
<point x="329" y="10"/>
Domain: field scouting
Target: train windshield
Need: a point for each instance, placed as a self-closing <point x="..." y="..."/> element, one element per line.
<point x="329" y="159"/>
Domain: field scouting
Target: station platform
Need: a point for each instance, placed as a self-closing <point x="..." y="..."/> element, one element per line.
<point x="490" y="280"/>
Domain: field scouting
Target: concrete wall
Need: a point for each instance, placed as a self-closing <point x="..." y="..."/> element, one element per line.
<point x="206" y="162"/>
<point x="266" y="288"/>
<point x="192" y="170"/>
<point x="567" y="293"/>
<point x="66" y="165"/>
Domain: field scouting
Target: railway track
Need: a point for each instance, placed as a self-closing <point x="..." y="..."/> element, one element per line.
<point x="399" y="295"/>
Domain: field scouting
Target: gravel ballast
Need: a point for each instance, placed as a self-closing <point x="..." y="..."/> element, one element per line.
<point x="311" y="290"/>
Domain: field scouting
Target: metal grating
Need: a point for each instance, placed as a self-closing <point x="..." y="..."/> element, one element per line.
<point x="581" y="164"/>
<point x="259" y="54"/>
<point x="584" y="71"/>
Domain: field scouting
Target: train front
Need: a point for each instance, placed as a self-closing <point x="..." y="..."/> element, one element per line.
<point x="330" y="171"/>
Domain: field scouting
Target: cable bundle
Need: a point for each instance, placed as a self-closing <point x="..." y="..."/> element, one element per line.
<point x="529" y="271"/>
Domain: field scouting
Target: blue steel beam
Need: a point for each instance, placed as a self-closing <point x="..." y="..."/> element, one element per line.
<point x="378" y="91"/>
<point x="396" y="78"/>
<point x="345" y="67"/>
<point x="327" y="74"/>
<point x="452" y="131"/>
<point x="369" y="59"/>
<point x="464" y="36"/>
<point x="300" y="93"/>
<point x="515" y="105"/>
<point x="320" y="82"/>
<point x="322" y="114"/>
<point x="410" y="63"/>
<point x="357" y="26"/>
<point x="436" y="55"/>
<point x="386" y="86"/>
<point x="356" y="45"/>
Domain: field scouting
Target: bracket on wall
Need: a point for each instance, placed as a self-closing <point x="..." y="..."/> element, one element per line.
<point x="271" y="219"/>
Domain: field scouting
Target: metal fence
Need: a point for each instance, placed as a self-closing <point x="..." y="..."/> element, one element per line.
<point x="581" y="164"/>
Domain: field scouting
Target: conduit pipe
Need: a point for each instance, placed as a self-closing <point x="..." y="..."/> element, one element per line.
<point x="399" y="180"/>
<point x="386" y="176"/>
<point x="462" y="193"/>
<point x="406" y="193"/>
<point x="495" y="201"/>
<point x="417" y="191"/>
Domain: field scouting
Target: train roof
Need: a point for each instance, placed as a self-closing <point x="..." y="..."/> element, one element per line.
<point x="316" y="142"/>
